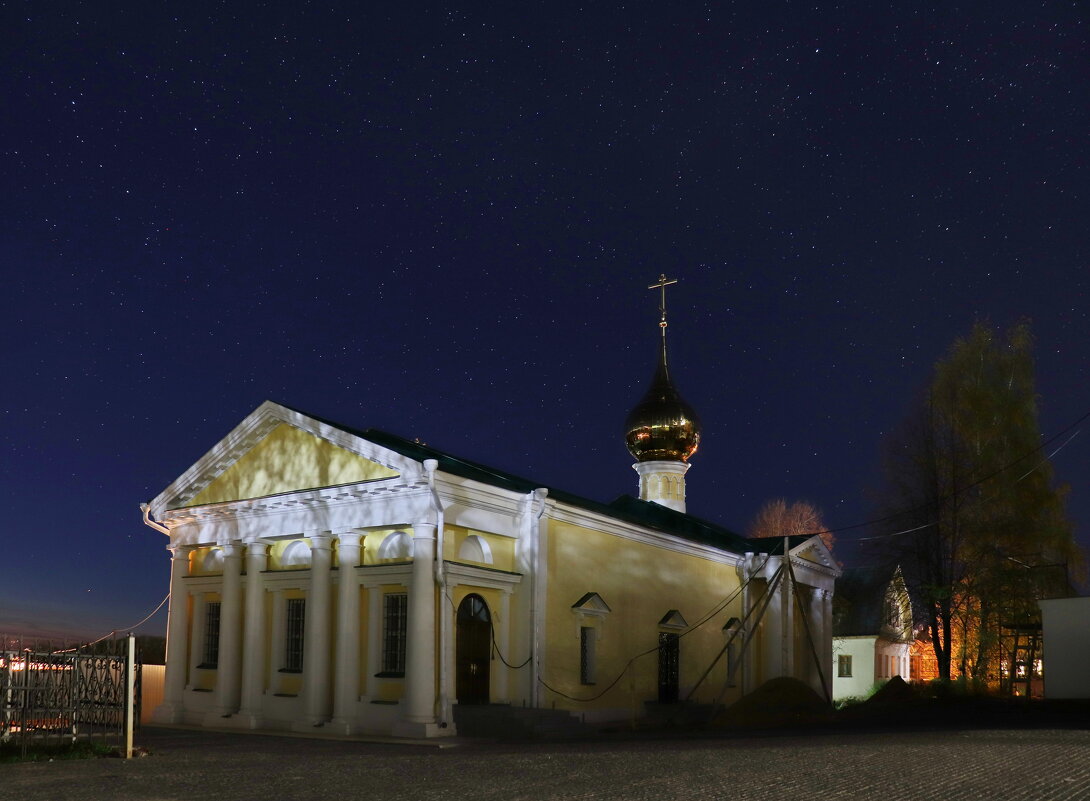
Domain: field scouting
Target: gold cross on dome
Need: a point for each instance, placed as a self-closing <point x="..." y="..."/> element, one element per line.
<point x="661" y="286"/>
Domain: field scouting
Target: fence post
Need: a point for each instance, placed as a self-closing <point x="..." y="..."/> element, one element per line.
<point x="130" y="692"/>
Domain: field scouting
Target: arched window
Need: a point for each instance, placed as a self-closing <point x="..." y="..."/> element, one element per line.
<point x="398" y="545"/>
<point x="475" y="549"/>
<point x="297" y="554"/>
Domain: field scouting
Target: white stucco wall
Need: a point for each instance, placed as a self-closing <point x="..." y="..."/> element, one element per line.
<point x="870" y="664"/>
<point x="891" y="659"/>
<point x="1066" y="632"/>
<point x="861" y="650"/>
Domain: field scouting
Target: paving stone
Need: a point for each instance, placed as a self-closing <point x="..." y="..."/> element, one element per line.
<point x="1043" y="765"/>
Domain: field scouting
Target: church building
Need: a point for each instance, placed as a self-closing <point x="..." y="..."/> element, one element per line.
<point x="329" y="578"/>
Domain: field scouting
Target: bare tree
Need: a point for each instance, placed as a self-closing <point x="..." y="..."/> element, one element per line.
<point x="778" y="518"/>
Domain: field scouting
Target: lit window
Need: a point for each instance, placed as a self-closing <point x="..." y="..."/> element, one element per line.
<point x="395" y="621"/>
<point x="293" y="635"/>
<point x="588" y="655"/>
<point x="844" y="666"/>
<point x="211" y="635"/>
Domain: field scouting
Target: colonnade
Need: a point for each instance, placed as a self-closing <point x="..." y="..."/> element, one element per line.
<point x="330" y="691"/>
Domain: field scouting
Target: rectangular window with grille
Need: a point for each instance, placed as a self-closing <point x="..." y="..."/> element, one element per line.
<point x="588" y="655"/>
<point x="844" y="666"/>
<point x="295" y="618"/>
<point x="395" y="619"/>
<point x="211" y="654"/>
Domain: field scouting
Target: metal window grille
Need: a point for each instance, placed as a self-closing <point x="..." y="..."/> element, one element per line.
<point x="211" y="656"/>
<point x="395" y="621"/>
<point x="587" y="655"/>
<point x="844" y="666"/>
<point x="293" y="634"/>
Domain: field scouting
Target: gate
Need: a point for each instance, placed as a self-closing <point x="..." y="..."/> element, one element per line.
<point x="58" y="696"/>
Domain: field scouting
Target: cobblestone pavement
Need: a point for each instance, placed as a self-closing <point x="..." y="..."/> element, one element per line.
<point x="1048" y="764"/>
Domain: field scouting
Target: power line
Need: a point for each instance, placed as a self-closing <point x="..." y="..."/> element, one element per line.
<point x="708" y="616"/>
<point x="967" y="487"/>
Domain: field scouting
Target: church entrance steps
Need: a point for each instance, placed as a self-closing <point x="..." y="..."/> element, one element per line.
<point x="506" y="722"/>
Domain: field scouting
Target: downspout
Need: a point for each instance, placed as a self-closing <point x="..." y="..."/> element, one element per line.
<point x="536" y="509"/>
<point x="430" y="465"/>
<point x="146" y="509"/>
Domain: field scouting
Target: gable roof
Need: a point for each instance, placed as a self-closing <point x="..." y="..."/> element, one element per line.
<point x="860" y="600"/>
<point x="406" y="457"/>
<point x="625" y="507"/>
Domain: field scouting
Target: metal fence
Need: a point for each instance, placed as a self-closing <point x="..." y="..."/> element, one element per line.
<point x="52" y="695"/>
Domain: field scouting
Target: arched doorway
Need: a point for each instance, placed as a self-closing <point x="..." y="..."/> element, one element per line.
<point x="473" y="650"/>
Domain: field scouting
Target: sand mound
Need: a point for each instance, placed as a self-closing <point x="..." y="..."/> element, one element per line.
<point x="893" y="692"/>
<point x="779" y="702"/>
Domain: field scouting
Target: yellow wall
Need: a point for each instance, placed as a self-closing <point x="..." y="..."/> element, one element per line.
<point x="196" y="562"/>
<point x="640" y="583"/>
<point x="286" y="460"/>
<point x="503" y="548"/>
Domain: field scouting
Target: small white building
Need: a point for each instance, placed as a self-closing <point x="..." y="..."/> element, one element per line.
<point x="872" y="630"/>
<point x="1065" y="624"/>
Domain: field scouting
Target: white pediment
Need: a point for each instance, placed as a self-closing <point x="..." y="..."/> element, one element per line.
<point x="673" y="620"/>
<point x="814" y="550"/>
<point x="591" y="604"/>
<point x="276" y="449"/>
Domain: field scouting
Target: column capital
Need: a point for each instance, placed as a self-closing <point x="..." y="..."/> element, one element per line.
<point x="320" y="540"/>
<point x="257" y="548"/>
<point x="231" y="549"/>
<point x="180" y="551"/>
<point x="424" y="530"/>
<point x="349" y="537"/>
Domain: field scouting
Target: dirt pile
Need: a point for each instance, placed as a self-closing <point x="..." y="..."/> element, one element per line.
<point x="894" y="692"/>
<point x="776" y="703"/>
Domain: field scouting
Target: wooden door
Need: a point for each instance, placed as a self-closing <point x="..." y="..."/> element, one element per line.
<point x="473" y="651"/>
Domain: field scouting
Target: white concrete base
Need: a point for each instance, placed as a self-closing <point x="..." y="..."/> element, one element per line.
<point x="409" y="728"/>
<point x="242" y="720"/>
<point x="310" y="726"/>
<point x="342" y="726"/>
<point x="216" y="718"/>
<point x="170" y="714"/>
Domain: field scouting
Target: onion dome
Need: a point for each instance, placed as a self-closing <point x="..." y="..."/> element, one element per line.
<point x="662" y="426"/>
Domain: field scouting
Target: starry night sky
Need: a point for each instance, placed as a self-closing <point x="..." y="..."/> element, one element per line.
<point x="442" y="223"/>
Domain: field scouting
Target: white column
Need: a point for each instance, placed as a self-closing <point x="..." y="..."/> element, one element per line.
<point x="826" y="601"/>
<point x="772" y="629"/>
<point x="253" y="635"/>
<point x="374" y="641"/>
<point x="227" y="669"/>
<point x="418" y="717"/>
<point x="316" y="633"/>
<point x="787" y="608"/>
<point x="502" y="640"/>
<point x="170" y="711"/>
<point x="347" y="668"/>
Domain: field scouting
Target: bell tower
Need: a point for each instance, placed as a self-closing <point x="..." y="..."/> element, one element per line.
<point x="662" y="431"/>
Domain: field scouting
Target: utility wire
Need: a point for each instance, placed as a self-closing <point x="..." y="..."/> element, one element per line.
<point x="967" y="487"/>
<point x="126" y="628"/>
<point x="718" y="608"/>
